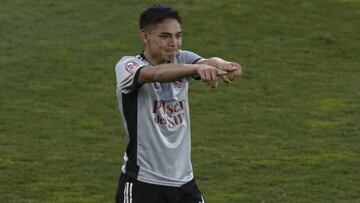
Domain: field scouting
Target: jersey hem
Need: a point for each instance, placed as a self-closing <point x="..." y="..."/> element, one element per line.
<point x="165" y="183"/>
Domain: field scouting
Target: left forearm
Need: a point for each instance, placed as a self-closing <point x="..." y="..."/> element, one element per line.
<point x="234" y="69"/>
<point x="213" y="61"/>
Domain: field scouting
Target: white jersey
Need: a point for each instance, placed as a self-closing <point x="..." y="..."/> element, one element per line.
<point x="156" y="122"/>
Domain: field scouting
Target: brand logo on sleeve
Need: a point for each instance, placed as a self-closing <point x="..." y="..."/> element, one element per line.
<point x="156" y="85"/>
<point x="131" y="66"/>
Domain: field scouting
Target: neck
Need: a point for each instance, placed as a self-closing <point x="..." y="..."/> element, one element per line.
<point x="153" y="59"/>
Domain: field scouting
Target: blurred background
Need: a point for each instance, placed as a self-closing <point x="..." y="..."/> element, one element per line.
<point x="286" y="131"/>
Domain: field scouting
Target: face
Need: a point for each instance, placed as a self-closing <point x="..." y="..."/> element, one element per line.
<point x="162" y="41"/>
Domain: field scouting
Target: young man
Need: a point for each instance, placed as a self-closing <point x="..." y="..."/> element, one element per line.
<point x="152" y="90"/>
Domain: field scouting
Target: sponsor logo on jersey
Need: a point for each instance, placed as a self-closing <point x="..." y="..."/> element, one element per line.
<point x="165" y="107"/>
<point x="168" y="113"/>
<point x="131" y="66"/>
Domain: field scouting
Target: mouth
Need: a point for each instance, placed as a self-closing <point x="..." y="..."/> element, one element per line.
<point x="170" y="54"/>
<point x="171" y="50"/>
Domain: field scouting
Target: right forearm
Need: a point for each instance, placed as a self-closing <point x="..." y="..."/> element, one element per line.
<point x="167" y="72"/>
<point x="174" y="72"/>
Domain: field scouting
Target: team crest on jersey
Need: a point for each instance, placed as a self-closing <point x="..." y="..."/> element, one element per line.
<point x="130" y="66"/>
<point x="179" y="84"/>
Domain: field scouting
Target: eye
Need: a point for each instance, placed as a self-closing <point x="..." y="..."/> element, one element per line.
<point x="164" y="36"/>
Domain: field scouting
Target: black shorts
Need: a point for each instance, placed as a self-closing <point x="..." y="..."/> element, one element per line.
<point x="131" y="190"/>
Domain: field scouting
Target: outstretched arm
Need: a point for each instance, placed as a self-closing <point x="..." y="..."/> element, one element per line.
<point x="234" y="69"/>
<point x="173" y="72"/>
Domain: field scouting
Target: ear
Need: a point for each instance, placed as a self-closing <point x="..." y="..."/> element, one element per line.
<point x="143" y="36"/>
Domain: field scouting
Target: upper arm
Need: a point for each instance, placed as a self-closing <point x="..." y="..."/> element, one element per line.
<point x="201" y="61"/>
<point x="188" y="57"/>
<point x="127" y="72"/>
<point x="146" y="75"/>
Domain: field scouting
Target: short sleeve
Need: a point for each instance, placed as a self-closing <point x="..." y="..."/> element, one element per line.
<point x="127" y="71"/>
<point x="188" y="57"/>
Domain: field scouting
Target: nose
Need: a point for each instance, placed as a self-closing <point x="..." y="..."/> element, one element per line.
<point x="173" y="41"/>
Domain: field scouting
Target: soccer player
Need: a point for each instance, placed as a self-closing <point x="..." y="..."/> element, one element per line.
<point x="152" y="91"/>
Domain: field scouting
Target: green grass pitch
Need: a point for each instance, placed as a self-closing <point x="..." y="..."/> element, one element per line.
<point x="287" y="131"/>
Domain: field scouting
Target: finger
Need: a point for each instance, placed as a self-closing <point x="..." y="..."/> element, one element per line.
<point x="236" y="73"/>
<point x="220" y="72"/>
<point x="208" y="78"/>
<point x="234" y="66"/>
<point x="226" y="79"/>
<point x="204" y="77"/>
<point x="229" y="67"/>
<point x="213" y="75"/>
<point x="213" y="83"/>
<point x="214" y="79"/>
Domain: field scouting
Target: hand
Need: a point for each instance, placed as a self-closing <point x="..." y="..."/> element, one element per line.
<point x="209" y="74"/>
<point x="233" y="70"/>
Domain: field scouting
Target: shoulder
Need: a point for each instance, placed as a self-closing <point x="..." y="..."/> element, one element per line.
<point x="182" y="52"/>
<point x="130" y="63"/>
<point x="130" y="59"/>
<point x="187" y="57"/>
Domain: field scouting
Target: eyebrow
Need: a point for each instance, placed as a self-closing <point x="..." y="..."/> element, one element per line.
<point x="168" y="33"/>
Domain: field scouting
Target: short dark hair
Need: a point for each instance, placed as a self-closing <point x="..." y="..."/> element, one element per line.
<point x="157" y="14"/>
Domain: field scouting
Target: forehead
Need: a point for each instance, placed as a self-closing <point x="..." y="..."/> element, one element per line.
<point x="168" y="25"/>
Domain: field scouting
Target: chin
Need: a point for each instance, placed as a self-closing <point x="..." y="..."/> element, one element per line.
<point x="170" y="57"/>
